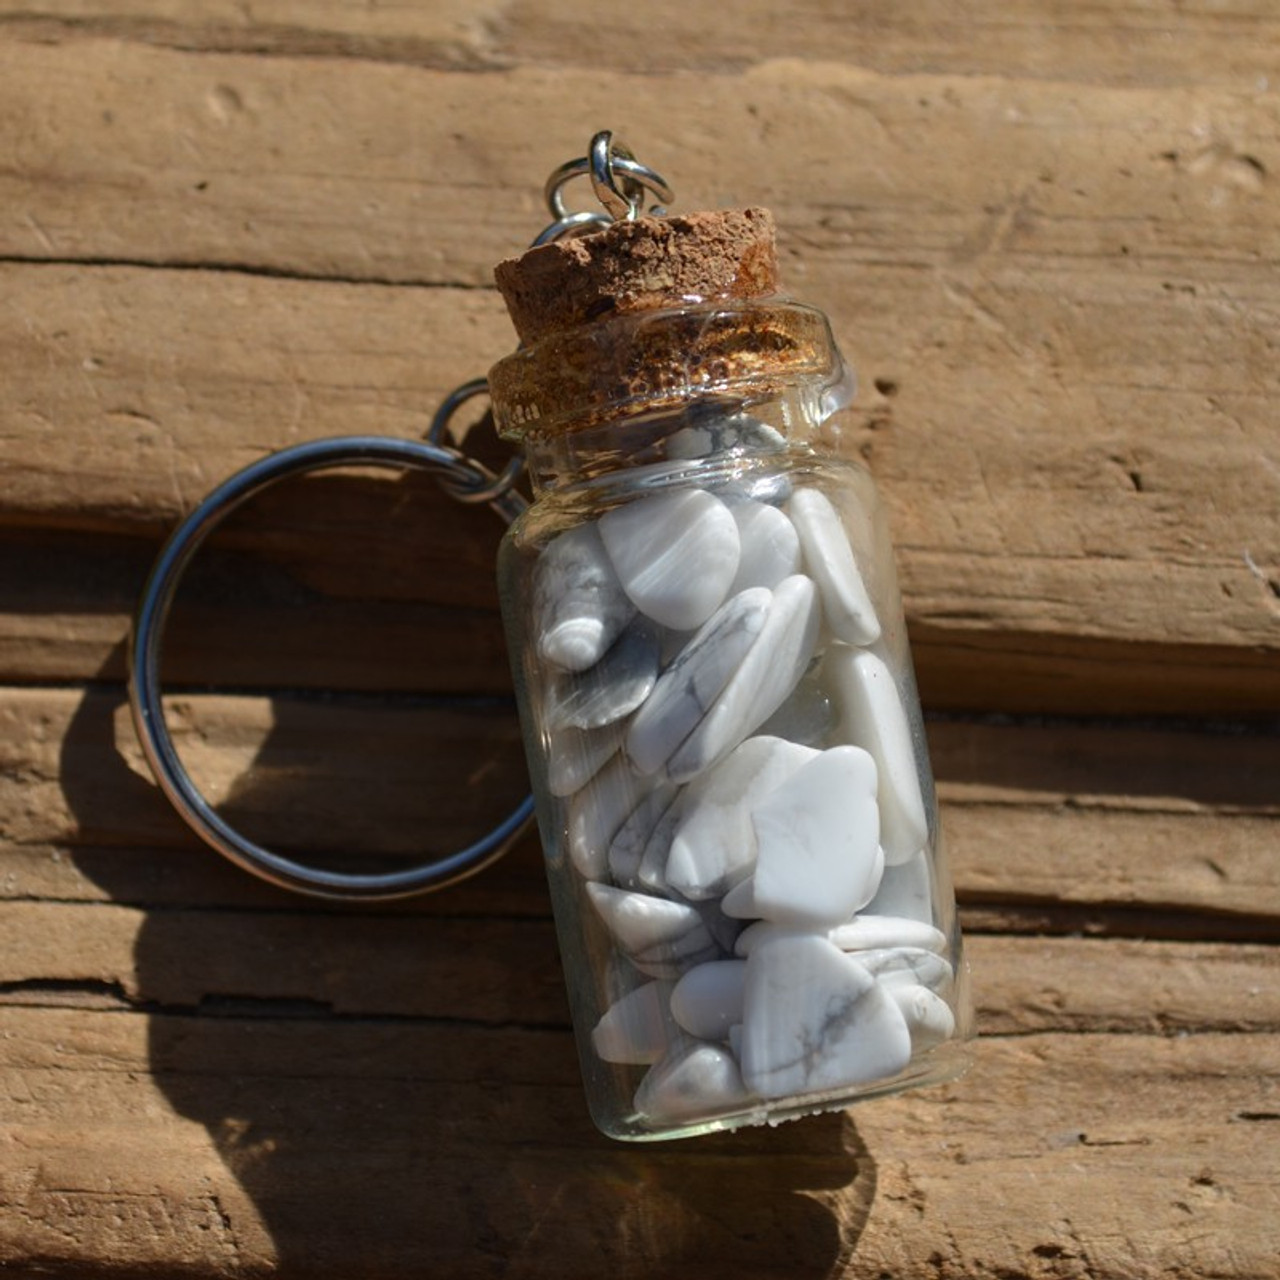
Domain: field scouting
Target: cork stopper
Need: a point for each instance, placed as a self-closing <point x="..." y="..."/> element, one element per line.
<point x="647" y="316"/>
<point x="642" y="265"/>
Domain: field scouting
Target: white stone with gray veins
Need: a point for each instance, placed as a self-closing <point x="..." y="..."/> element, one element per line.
<point x="653" y="863"/>
<point x="708" y="1000"/>
<point x="611" y="689"/>
<point x="713" y="431"/>
<point x="871" y="715"/>
<point x="638" y="1027"/>
<point x="818" y="854"/>
<point x="769" y="672"/>
<point x="866" y="932"/>
<point x="627" y="848"/>
<point x="575" y="756"/>
<point x="695" y="678"/>
<point x="815" y="1019"/>
<point x="660" y="937"/>
<point x="675" y="553"/>
<point x="908" y="965"/>
<point x="770" y="546"/>
<point x="693" y="1080"/>
<point x="579" y="606"/>
<point x="715" y="844"/>
<point x="598" y="810"/>
<point x="929" y="1018"/>
<point x="829" y="558"/>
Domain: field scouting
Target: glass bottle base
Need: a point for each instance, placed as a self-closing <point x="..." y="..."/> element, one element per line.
<point x="944" y="1063"/>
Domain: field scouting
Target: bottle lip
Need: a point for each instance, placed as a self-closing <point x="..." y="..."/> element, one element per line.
<point x="660" y="359"/>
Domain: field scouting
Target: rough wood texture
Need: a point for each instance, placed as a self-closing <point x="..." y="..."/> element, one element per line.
<point x="1047" y="235"/>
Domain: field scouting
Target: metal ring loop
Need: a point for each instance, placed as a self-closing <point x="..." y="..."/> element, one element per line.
<point x="603" y="166"/>
<point x="572" y="224"/>
<point x="477" y="483"/>
<point x="144" y="670"/>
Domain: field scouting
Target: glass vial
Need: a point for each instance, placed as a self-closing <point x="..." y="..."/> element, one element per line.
<point x="724" y="737"/>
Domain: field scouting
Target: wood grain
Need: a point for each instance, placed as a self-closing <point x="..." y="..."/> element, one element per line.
<point x="1047" y="238"/>
<point x="1154" y="43"/>
<point x="1017" y="546"/>
<point x="495" y="1166"/>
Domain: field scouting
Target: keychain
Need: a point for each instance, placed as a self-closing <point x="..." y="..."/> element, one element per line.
<point x="725" y="744"/>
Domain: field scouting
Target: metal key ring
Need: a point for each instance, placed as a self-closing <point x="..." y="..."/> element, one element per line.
<point x="144" y="668"/>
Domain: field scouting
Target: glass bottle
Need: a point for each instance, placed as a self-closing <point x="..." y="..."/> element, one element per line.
<point x="726" y="746"/>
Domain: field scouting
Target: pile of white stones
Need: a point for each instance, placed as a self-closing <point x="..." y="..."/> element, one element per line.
<point x="742" y="799"/>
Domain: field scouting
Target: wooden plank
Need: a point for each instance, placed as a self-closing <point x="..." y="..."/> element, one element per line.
<point x="1015" y="547"/>
<point x="1157" y="42"/>
<point x="1096" y="259"/>
<point x="1164" y="183"/>
<point x="506" y="972"/>
<point x="1080" y="817"/>
<point x="242" y="1147"/>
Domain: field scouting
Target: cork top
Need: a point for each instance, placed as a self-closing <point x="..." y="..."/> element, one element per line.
<point x="648" y="315"/>
<point x="640" y="265"/>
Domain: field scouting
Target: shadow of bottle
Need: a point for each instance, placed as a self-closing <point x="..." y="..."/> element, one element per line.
<point x="396" y="1092"/>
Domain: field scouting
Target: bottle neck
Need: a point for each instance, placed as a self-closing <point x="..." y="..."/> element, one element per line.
<point x="669" y="389"/>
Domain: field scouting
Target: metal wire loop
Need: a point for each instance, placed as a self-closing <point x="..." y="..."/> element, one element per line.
<point x="573" y="224"/>
<point x="609" y="158"/>
<point x="147" y="638"/>
<point x="472" y="482"/>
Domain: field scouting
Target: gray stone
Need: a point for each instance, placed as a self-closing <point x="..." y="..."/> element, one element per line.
<point x="579" y="606"/>
<point x="695" y="678"/>
<point x="612" y="688"/>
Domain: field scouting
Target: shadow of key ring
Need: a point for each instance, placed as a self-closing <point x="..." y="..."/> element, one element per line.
<point x="460" y="475"/>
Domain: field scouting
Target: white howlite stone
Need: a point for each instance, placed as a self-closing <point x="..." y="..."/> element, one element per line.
<point x="579" y="606"/>
<point x="695" y="678"/>
<point x="652" y="873"/>
<point x="829" y="558"/>
<point x="771" y="669"/>
<point x="708" y="1000"/>
<point x="674" y="553"/>
<point x="906" y="890"/>
<point x="906" y="965"/>
<point x="929" y="1018"/>
<point x="627" y="849"/>
<point x="818" y="854"/>
<point x="637" y="1028"/>
<point x="713" y="431"/>
<point x="598" y="811"/>
<point x="770" y="546"/>
<point x="764" y="931"/>
<point x="575" y="756"/>
<point x="692" y="1081"/>
<point x="611" y="689"/>
<point x="815" y="1020"/>
<point x="868" y="932"/>
<point x="715" y="843"/>
<point x="872" y="716"/>
<point x="660" y="937"/>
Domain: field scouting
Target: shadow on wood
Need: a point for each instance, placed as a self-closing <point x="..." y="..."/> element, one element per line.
<point x="398" y="1094"/>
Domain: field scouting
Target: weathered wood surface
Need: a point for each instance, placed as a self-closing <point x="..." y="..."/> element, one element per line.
<point x="1048" y="238"/>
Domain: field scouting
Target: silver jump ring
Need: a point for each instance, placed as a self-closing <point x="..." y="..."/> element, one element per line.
<point x="472" y="483"/>
<point x="144" y="668"/>
<point x="607" y="160"/>
<point x="573" y="224"/>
